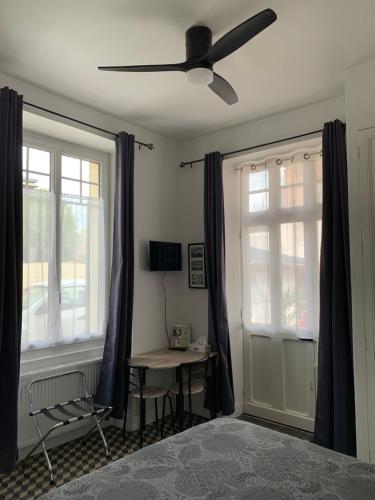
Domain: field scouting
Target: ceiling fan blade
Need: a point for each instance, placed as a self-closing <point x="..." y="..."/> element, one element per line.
<point x="240" y="35"/>
<point x="223" y="89"/>
<point x="148" y="68"/>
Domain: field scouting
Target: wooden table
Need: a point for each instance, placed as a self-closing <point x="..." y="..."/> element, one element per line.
<point x="167" y="358"/>
<point x="162" y="360"/>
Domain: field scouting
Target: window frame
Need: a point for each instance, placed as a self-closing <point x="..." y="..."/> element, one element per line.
<point x="309" y="214"/>
<point x="43" y="357"/>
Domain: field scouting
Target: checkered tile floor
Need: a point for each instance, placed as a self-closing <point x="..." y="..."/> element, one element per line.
<point x="76" y="458"/>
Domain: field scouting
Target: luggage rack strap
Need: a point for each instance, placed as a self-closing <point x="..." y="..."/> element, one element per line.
<point x="87" y="399"/>
<point x="74" y="418"/>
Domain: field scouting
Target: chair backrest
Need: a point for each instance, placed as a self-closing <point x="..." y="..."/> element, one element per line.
<point x="195" y="368"/>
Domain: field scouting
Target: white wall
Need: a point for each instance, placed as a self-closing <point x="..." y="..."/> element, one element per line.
<point x="193" y="303"/>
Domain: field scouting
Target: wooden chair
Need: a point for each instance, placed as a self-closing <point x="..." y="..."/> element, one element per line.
<point x="143" y="393"/>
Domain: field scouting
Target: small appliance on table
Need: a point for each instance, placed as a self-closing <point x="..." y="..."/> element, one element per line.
<point x="181" y="334"/>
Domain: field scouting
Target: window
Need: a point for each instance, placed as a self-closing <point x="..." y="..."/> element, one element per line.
<point x="281" y="227"/>
<point x="64" y="244"/>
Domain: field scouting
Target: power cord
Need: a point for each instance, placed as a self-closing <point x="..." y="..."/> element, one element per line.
<point x="165" y="306"/>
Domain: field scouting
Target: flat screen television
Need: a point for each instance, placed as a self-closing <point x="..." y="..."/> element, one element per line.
<point x="165" y="256"/>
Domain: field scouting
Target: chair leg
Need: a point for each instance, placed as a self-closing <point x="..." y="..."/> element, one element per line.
<point x="141" y="421"/>
<point x="163" y="417"/>
<point x="190" y="411"/>
<point x="124" y="422"/>
<point x="171" y="410"/>
<point x="156" y="415"/>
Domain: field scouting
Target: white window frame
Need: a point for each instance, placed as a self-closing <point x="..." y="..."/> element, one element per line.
<point x="310" y="215"/>
<point x="35" y="360"/>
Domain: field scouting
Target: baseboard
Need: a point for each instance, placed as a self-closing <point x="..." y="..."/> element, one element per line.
<point x="298" y="421"/>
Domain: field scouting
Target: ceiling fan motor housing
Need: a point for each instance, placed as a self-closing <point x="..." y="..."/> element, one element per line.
<point x="198" y="42"/>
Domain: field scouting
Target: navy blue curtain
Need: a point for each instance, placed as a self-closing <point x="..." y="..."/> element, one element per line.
<point x="114" y="380"/>
<point x="10" y="271"/>
<point x="220" y="394"/>
<point x="335" y="408"/>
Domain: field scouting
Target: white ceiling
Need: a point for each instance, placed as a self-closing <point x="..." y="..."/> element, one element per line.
<point x="298" y="60"/>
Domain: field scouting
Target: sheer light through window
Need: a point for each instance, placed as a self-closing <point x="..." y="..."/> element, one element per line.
<point x="281" y="234"/>
<point x="64" y="248"/>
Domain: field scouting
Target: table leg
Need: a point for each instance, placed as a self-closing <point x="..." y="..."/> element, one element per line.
<point x="180" y="397"/>
<point x="214" y="375"/>
<point x="142" y="405"/>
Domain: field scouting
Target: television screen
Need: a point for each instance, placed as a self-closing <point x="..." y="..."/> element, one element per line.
<point x="165" y="256"/>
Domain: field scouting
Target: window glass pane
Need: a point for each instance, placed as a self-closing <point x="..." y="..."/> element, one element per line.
<point x="81" y="267"/>
<point x="319" y="193"/>
<point x="259" y="282"/>
<point x="90" y="172"/>
<point x="319" y="171"/>
<point x="39" y="161"/>
<point x="258" y="202"/>
<point x="291" y="174"/>
<point x="32" y="295"/>
<point x="319" y="230"/>
<point x="280" y="276"/>
<point x="70" y="309"/>
<point x="293" y="300"/>
<point x="292" y="197"/>
<point x="70" y="187"/>
<point x="70" y="167"/>
<point x="36" y="251"/>
<point x="258" y="180"/>
<point x="90" y="190"/>
<point x="319" y="180"/>
<point x="38" y="181"/>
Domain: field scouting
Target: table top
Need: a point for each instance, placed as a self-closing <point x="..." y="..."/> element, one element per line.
<point x="166" y="358"/>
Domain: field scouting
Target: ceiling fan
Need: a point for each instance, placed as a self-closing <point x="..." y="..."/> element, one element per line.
<point x="201" y="55"/>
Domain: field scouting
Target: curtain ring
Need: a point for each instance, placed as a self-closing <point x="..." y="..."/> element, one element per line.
<point x="279" y="162"/>
<point x="253" y="167"/>
<point x="306" y="156"/>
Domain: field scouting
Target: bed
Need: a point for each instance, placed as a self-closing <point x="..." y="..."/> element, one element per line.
<point x="227" y="459"/>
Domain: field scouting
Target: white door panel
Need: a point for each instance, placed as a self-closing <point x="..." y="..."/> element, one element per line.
<point x="261" y="361"/>
<point x="280" y="379"/>
<point x="296" y="377"/>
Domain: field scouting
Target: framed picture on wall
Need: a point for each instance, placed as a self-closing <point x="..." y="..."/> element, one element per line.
<point x="197" y="265"/>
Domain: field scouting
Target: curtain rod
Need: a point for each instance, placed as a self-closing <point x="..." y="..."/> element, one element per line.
<point x="262" y="162"/>
<point x="230" y="153"/>
<point x="149" y="146"/>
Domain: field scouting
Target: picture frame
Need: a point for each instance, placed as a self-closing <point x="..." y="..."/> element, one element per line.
<point x="197" y="265"/>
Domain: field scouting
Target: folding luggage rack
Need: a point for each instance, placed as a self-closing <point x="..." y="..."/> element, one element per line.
<point x="65" y="413"/>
